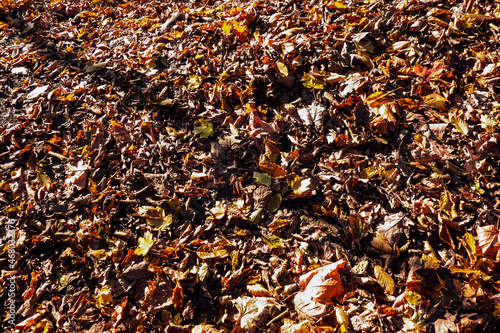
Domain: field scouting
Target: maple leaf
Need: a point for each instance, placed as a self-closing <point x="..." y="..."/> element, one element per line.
<point x="206" y="129"/>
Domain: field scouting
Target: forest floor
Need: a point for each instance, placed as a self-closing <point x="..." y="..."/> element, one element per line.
<point x="249" y="166"/>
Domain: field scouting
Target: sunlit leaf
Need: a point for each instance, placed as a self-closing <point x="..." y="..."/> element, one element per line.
<point x="144" y="244"/>
<point x="194" y="81"/>
<point x="488" y="123"/>
<point x="312" y="82"/>
<point x="384" y="279"/>
<point x="281" y="68"/>
<point x="206" y="129"/>
<point x="274" y="242"/>
<point x="272" y="169"/>
<point x="227" y="28"/>
<point x="342" y="318"/>
<point x="104" y="296"/>
<point x="413" y="298"/>
<point x="447" y="205"/>
<point x="460" y="124"/>
<point x="300" y="186"/>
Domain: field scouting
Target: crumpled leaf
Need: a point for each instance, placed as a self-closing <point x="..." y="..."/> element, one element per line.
<point x="313" y="115"/>
<point x="253" y="311"/>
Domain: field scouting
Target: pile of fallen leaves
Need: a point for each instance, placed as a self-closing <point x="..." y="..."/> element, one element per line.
<point x="250" y="166"/>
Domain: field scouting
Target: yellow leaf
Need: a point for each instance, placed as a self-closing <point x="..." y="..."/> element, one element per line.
<point x="446" y="205"/>
<point x="413" y="298"/>
<point x="194" y="81"/>
<point x="342" y="319"/>
<point x="470" y="246"/>
<point x="274" y="242"/>
<point x="239" y="28"/>
<point x="312" y="82"/>
<point x="299" y="186"/>
<point x="145" y="243"/>
<point x="384" y="279"/>
<point x="377" y="99"/>
<point x="281" y="68"/>
<point x="226" y="28"/>
<point x="104" y="296"/>
<point x="370" y="172"/>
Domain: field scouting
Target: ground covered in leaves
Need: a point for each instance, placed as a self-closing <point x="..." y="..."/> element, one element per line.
<point x="250" y="166"/>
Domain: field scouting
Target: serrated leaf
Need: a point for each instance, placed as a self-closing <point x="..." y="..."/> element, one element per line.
<point x="384" y="279"/>
<point x="205" y="130"/>
<point x="226" y="28"/>
<point x="274" y="203"/>
<point x="262" y="178"/>
<point x="144" y="244"/>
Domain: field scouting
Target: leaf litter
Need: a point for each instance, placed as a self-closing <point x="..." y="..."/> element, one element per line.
<point x="250" y="166"/>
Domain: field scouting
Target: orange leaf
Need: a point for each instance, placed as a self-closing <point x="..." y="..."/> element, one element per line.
<point x="178" y="297"/>
<point x="272" y="169"/>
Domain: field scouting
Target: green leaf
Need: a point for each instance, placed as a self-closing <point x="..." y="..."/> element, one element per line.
<point x="262" y="178"/>
<point x="274" y="203"/>
<point x="144" y="244"/>
<point x="205" y="130"/>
